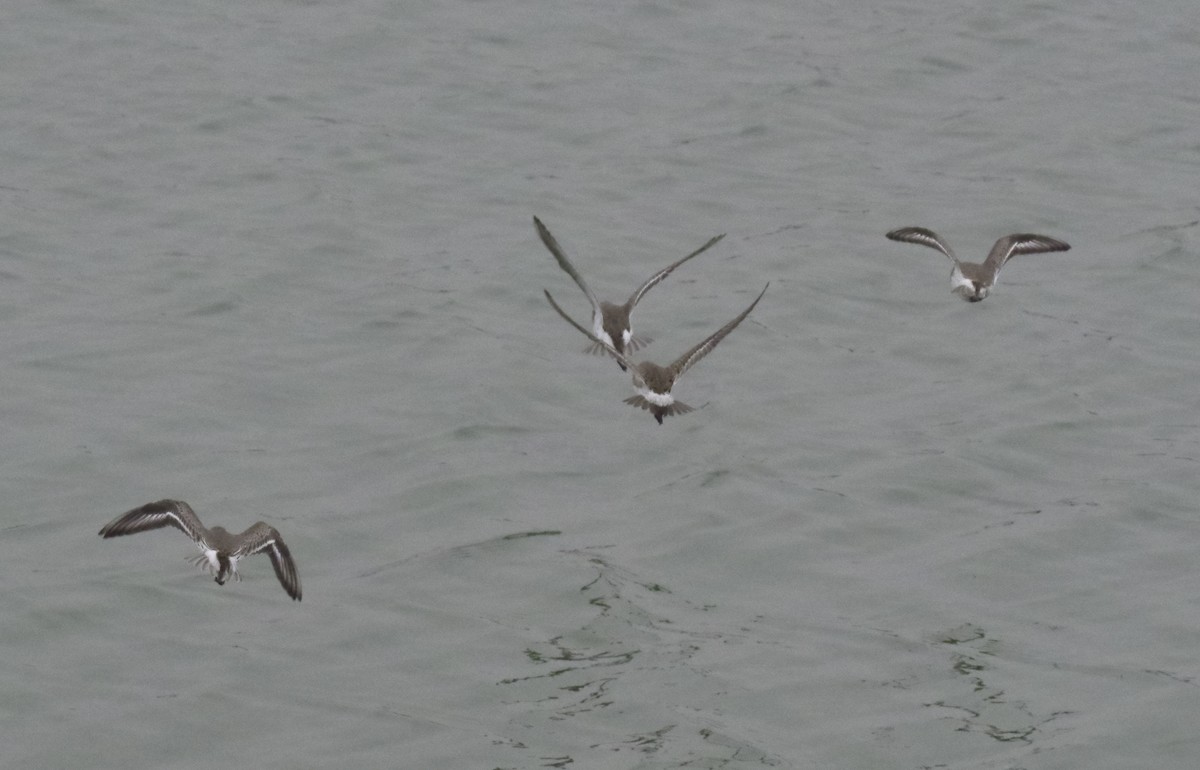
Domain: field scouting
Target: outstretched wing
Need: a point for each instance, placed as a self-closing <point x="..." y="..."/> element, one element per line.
<point x="262" y="537"/>
<point x="693" y="356"/>
<point x="566" y="265"/>
<point x="164" y="513"/>
<point x="620" y="358"/>
<point x="1020" y="243"/>
<point x="923" y="236"/>
<point x="655" y="279"/>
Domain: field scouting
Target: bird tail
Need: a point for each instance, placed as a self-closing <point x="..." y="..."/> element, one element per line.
<point x="659" y="412"/>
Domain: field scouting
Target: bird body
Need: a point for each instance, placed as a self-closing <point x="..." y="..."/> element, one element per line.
<point x="611" y="326"/>
<point x="974" y="281"/>
<point x="654" y="382"/>
<point x="220" y="550"/>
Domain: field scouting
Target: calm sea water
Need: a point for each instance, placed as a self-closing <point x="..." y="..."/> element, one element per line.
<point x="276" y="259"/>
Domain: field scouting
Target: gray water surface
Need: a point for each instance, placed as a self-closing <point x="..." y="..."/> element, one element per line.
<point x="276" y="259"/>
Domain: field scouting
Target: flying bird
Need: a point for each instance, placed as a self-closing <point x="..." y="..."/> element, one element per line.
<point x="653" y="382"/>
<point x="610" y="323"/>
<point x="220" y="551"/>
<point x="971" y="280"/>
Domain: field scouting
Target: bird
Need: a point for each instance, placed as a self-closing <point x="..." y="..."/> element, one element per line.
<point x="220" y="550"/>
<point x="971" y="280"/>
<point x="653" y="382"/>
<point x="610" y="323"/>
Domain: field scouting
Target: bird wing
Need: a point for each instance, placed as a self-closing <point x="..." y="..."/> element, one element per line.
<point x="620" y="358"/>
<point x="693" y="356"/>
<point x="1020" y="243"/>
<point x="565" y="264"/>
<point x="163" y="513"/>
<point x="925" y="237"/>
<point x="655" y="279"/>
<point x="262" y="537"/>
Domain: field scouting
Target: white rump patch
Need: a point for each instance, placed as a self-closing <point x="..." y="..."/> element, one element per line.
<point x="658" y="399"/>
<point x="207" y="561"/>
<point x="958" y="281"/>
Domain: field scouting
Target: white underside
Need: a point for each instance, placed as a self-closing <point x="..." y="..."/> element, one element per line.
<point x="658" y="399"/>
<point x="207" y="560"/>
<point x="627" y="336"/>
<point x="959" y="282"/>
<point x="598" y="331"/>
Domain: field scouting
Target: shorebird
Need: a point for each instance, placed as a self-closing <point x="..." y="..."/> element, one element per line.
<point x="220" y="550"/>
<point x="654" y="382"/>
<point x="971" y="280"/>
<point x="610" y="323"/>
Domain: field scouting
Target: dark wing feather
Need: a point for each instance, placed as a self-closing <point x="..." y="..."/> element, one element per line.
<point x="1020" y="243"/>
<point x="565" y="263"/>
<point x="923" y="236"/>
<point x="261" y="538"/>
<point x="163" y="513"/>
<point x="655" y="279"/>
<point x="693" y="356"/>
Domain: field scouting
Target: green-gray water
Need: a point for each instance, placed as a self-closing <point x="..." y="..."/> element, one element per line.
<point x="276" y="259"/>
